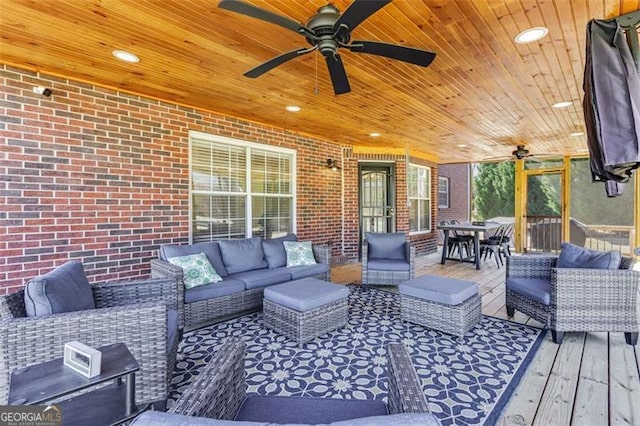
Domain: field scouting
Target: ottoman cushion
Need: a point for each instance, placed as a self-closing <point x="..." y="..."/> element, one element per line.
<point x="444" y="290"/>
<point x="305" y="294"/>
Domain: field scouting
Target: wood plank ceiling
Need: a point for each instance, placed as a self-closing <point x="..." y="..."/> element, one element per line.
<point x="483" y="90"/>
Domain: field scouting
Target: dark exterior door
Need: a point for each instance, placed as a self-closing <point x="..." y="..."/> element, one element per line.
<point x="377" y="198"/>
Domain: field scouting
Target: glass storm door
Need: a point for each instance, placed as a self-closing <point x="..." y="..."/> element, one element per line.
<point x="377" y="201"/>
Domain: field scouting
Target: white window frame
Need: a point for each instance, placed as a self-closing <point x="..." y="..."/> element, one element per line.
<point x="248" y="146"/>
<point x="426" y="197"/>
<point x="446" y="193"/>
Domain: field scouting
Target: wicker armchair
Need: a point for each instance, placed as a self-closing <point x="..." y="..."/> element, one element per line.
<point x="134" y="313"/>
<point x="387" y="259"/>
<point x="218" y="392"/>
<point x="579" y="299"/>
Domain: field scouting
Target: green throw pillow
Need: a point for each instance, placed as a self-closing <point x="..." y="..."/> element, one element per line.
<point x="196" y="270"/>
<point x="299" y="253"/>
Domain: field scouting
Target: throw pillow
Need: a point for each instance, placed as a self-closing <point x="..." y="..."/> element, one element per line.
<point x="299" y="253"/>
<point x="196" y="270"/>
<point x="573" y="256"/>
<point x="65" y="289"/>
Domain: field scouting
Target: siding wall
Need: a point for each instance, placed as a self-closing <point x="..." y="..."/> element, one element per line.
<point x="102" y="176"/>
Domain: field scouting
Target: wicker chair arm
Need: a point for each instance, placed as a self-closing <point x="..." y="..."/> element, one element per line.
<point x="161" y="268"/>
<point x="405" y="390"/>
<point x="411" y="255"/>
<point x="142" y="327"/>
<point x="220" y="388"/>
<point x="530" y="266"/>
<point x="322" y="254"/>
<point x="600" y="286"/>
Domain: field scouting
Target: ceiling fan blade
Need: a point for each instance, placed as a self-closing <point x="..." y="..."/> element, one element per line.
<point x="411" y="55"/>
<point x="338" y="75"/>
<point x="258" y="13"/>
<point x="274" y="62"/>
<point x="357" y="12"/>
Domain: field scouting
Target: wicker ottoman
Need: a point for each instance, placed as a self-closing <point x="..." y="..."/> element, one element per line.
<point x="445" y="304"/>
<point x="305" y="309"/>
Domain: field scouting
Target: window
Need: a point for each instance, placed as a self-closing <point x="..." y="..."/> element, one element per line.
<point x="239" y="189"/>
<point x="443" y="192"/>
<point x="419" y="194"/>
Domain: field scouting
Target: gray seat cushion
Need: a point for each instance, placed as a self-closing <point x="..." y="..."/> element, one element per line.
<point x="223" y="288"/>
<point x="262" y="277"/>
<point x="64" y="289"/>
<point x="274" y="252"/>
<point x="158" y="418"/>
<point x="298" y="272"/>
<point x="305" y="294"/>
<point x="172" y="328"/>
<point x="242" y="255"/>
<point x="291" y="409"/>
<point x="439" y="289"/>
<point x="573" y="256"/>
<point x="210" y="249"/>
<point x="388" y="265"/>
<point x="537" y="289"/>
<point x="386" y="245"/>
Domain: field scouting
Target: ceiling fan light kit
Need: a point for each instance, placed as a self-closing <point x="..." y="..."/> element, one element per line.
<point x="328" y="31"/>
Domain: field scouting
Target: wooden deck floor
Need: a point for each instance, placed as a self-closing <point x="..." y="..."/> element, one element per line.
<point x="590" y="379"/>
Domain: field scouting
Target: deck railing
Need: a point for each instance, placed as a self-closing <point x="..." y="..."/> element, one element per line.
<point x="544" y="234"/>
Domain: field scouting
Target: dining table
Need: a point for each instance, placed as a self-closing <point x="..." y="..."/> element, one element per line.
<point x="476" y="228"/>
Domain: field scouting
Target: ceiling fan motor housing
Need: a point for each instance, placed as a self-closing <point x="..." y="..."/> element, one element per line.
<point x="322" y="25"/>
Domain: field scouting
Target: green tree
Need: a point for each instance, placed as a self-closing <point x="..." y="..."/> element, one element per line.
<point x="494" y="192"/>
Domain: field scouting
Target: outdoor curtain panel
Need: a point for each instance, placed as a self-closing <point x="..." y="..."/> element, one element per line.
<point x="611" y="104"/>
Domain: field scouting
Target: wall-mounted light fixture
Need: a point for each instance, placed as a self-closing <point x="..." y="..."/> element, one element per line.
<point x="332" y="164"/>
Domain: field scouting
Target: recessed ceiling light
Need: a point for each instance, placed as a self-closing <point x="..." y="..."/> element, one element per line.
<point x="576" y="134"/>
<point x="462" y="145"/>
<point x="374" y="134"/>
<point x="562" y="104"/>
<point x="293" y="108"/>
<point x="531" y="35"/>
<point x="125" y="56"/>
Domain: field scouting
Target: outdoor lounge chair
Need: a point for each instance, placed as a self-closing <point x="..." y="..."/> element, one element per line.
<point x="574" y="299"/>
<point x="218" y="392"/>
<point x="387" y="258"/>
<point x="136" y="313"/>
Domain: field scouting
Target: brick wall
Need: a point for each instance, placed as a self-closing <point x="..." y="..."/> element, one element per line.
<point x="459" y="192"/>
<point x="102" y="176"/>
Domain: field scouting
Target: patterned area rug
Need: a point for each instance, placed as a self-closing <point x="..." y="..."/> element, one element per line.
<point x="467" y="381"/>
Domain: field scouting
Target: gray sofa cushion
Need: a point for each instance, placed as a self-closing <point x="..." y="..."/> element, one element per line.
<point x="536" y="288"/>
<point x="573" y="256"/>
<point x="298" y="272"/>
<point x="274" y="252"/>
<point x="262" y="277"/>
<point x="204" y="292"/>
<point x="64" y="289"/>
<point x="386" y="245"/>
<point x="242" y="255"/>
<point x="291" y="409"/>
<point x="388" y="265"/>
<point x="211" y="249"/>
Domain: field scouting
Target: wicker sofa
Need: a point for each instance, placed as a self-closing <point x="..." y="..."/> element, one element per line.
<point x="574" y="299"/>
<point x="246" y="267"/>
<point x="217" y="397"/>
<point x="136" y="313"/>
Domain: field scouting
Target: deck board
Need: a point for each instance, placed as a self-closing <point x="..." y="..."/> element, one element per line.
<point x="590" y="379"/>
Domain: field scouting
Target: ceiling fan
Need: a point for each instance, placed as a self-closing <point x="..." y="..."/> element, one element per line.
<point x="522" y="153"/>
<point x="327" y="31"/>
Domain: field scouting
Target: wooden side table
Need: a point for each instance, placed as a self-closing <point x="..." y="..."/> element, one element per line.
<point x="51" y="380"/>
